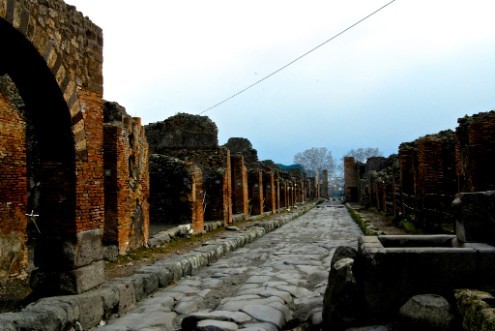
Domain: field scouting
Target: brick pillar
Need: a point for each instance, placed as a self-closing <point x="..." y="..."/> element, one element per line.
<point x="240" y="196"/>
<point x="227" y="191"/>
<point x="350" y="180"/>
<point x="270" y="191"/>
<point x="196" y="198"/>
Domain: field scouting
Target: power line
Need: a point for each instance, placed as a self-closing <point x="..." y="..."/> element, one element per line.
<point x="298" y="58"/>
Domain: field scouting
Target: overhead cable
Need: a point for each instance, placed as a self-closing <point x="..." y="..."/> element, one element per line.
<point x="298" y="58"/>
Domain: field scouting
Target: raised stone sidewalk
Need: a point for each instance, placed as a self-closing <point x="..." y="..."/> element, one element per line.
<point x="119" y="296"/>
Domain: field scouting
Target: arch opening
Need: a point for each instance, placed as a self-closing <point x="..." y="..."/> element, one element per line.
<point x="37" y="152"/>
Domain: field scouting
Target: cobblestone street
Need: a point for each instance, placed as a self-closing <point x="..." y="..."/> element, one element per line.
<point x="272" y="283"/>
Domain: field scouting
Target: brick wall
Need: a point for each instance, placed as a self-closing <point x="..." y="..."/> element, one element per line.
<point x="350" y="179"/>
<point x="59" y="78"/>
<point x="177" y="194"/>
<point x="13" y="186"/>
<point x="475" y="145"/>
<point x="126" y="180"/>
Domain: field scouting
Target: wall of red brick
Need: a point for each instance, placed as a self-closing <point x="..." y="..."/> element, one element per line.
<point x="13" y="186"/>
<point x="350" y="179"/>
<point x="176" y="192"/>
<point x="62" y="77"/>
<point x="126" y="180"/>
<point x="475" y="146"/>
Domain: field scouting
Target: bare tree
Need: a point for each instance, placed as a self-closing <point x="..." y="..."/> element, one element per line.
<point x="315" y="160"/>
<point x="362" y="154"/>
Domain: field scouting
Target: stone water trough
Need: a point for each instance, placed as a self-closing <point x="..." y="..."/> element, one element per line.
<point x="395" y="268"/>
<point x="391" y="269"/>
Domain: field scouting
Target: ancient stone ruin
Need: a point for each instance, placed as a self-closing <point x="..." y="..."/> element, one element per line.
<point x="73" y="170"/>
<point x="51" y="115"/>
<point x="436" y="179"/>
<point x="78" y="180"/>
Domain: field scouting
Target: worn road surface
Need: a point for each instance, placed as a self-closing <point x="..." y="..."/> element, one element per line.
<point x="273" y="283"/>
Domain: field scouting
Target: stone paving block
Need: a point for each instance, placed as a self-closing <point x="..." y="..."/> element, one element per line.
<point x="158" y="303"/>
<point x="204" y="293"/>
<point x="165" y="276"/>
<point x="69" y="306"/>
<point x="184" y="288"/>
<point x="258" y="279"/>
<point x="268" y="292"/>
<point x="190" y="321"/>
<point x="135" y="321"/>
<point x="127" y="296"/>
<point x="285" y="310"/>
<point x="297" y="291"/>
<point x="113" y="328"/>
<point x="240" y="297"/>
<point x="172" y="294"/>
<point x="188" y="304"/>
<point x="236" y="305"/>
<point x="259" y="327"/>
<point x="214" y="325"/>
<point x="191" y="282"/>
<point x="265" y="314"/>
<point x="210" y="283"/>
<point x="174" y="266"/>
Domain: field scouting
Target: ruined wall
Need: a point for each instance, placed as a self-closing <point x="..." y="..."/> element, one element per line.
<point x="215" y="167"/>
<point x="54" y="57"/>
<point x="350" y="180"/>
<point x="182" y="131"/>
<point x="475" y="158"/>
<point x="176" y="192"/>
<point x="13" y="184"/>
<point x="126" y="180"/>
<point x="243" y="146"/>
<point x="194" y="138"/>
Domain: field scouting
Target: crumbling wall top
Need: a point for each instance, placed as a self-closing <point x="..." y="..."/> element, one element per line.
<point x="243" y="146"/>
<point x="182" y="131"/>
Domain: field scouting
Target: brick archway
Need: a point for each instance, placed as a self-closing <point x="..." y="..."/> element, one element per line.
<point x="53" y="56"/>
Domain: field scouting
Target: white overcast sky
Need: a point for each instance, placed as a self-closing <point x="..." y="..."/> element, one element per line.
<point x="410" y="70"/>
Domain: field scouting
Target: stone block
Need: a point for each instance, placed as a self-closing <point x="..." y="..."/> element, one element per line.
<point x="127" y="296"/>
<point x="165" y="276"/>
<point x="426" y="312"/>
<point x="85" y="249"/>
<point x="29" y="320"/>
<point x="82" y="279"/>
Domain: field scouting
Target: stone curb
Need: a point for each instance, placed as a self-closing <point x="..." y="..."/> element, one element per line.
<point x="117" y="296"/>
